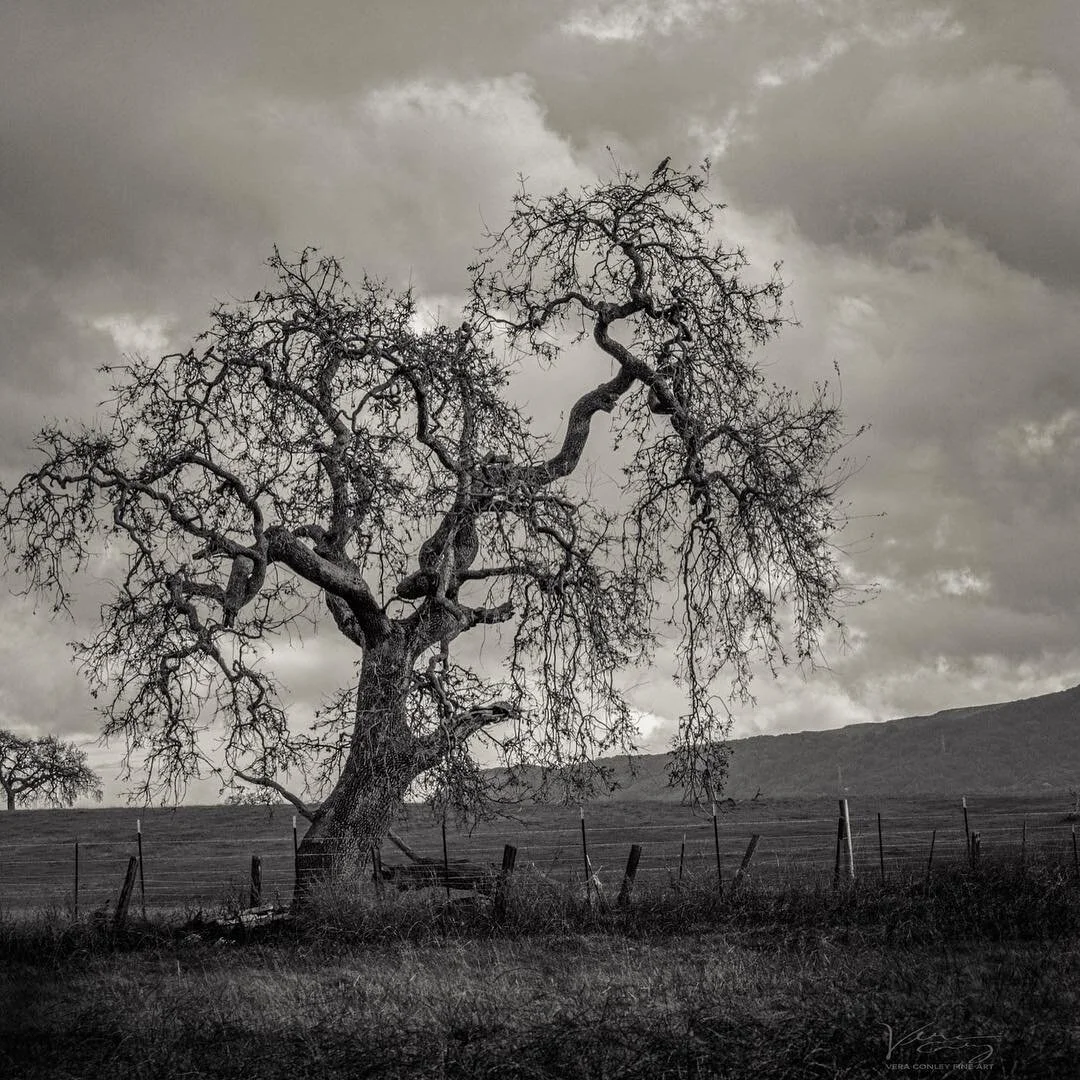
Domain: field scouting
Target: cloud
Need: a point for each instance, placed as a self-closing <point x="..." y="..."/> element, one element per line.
<point x="630" y="20"/>
<point x="963" y="365"/>
<point x="132" y="334"/>
<point x="398" y="180"/>
<point x="989" y="152"/>
<point x="1038" y="443"/>
<point x="962" y="581"/>
<point x="913" y="165"/>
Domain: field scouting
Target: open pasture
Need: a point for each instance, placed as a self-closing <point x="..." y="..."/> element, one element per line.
<point x="198" y="856"/>
<point x="978" y="972"/>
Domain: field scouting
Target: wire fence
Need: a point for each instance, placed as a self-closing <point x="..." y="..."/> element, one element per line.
<point x="174" y="874"/>
<point x="178" y="870"/>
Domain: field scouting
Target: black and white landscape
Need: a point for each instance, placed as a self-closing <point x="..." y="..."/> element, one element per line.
<point x="406" y="408"/>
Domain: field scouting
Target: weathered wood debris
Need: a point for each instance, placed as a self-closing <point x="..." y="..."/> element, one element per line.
<point x="422" y="872"/>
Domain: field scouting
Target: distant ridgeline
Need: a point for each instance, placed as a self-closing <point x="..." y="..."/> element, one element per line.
<point x="1016" y="748"/>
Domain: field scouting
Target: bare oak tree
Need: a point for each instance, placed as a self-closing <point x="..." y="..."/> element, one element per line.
<point x="320" y="450"/>
<point x="44" y="770"/>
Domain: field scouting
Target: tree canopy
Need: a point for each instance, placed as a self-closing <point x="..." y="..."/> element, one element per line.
<point x="44" y="770"/>
<point x="323" y="450"/>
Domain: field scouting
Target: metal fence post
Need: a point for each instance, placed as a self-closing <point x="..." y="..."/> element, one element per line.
<point x="142" y="879"/>
<point x="585" y="856"/>
<point x="716" y="845"/>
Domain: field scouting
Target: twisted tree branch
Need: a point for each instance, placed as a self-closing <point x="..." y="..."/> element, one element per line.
<point x="265" y="781"/>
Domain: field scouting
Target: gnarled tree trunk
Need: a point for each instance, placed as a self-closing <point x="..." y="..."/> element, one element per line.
<point x="383" y="760"/>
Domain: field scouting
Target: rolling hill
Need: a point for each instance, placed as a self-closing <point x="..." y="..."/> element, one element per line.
<point x="1016" y="747"/>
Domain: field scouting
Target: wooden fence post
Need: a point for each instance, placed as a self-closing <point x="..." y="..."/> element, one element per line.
<point x="930" y="861"/>
<point x="682" y="858"/>
<point x="76" y="879"/>
<point x="255" y="893"/>
<point x="502" y="883"/>
<point x="125" y="892"/>
<point x="629" y="875"/>
<point x="967" y="827"/>
<point x="376" y="871"/>
<point x="750" y="849"/>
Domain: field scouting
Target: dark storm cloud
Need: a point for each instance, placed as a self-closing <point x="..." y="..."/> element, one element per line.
<point x="968" y="375"/>
<point x="103" y="212"/>
<point x="913" y="163"/>
<point x="94" y="171"/>
<point x="893" y="137"/>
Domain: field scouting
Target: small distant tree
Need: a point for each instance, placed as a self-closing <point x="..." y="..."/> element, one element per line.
<point x="44" y="770"/>
<point x="324" y="453"/>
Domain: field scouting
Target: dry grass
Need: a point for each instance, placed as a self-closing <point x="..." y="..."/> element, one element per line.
<point x="570" y="1006"/>
<point x="789" y="983"/>
<point x="192" y="853"/>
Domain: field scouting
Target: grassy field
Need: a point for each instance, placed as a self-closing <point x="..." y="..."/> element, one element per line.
<point x="976" y="971"/>
<point x="193" y="855"/>
<point x="979" y="973"/>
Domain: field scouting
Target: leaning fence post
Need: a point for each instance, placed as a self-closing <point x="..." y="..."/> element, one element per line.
<point x="682" y="857"/>
<point x="376" y="870"/>
<point x="255" y="894"/>
<point x="847" y="833"/>
<point x="930" y="861"/>
<point x="967" y="827"/>
<point x="142" y="880"/>
<point x="750" y="849"/>
<point x="502" y="884"/>
<point x="125" y="892"/>
<point x="629" y="875"/>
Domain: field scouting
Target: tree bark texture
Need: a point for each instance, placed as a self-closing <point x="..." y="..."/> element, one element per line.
<point x="384" y="758"/>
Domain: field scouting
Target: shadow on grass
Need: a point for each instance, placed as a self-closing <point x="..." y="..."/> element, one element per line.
<point x="838" y="1035"/>
<point x="790" y="983"/>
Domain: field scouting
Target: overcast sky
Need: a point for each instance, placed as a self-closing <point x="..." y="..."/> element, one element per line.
<point x="915" y="165"/>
